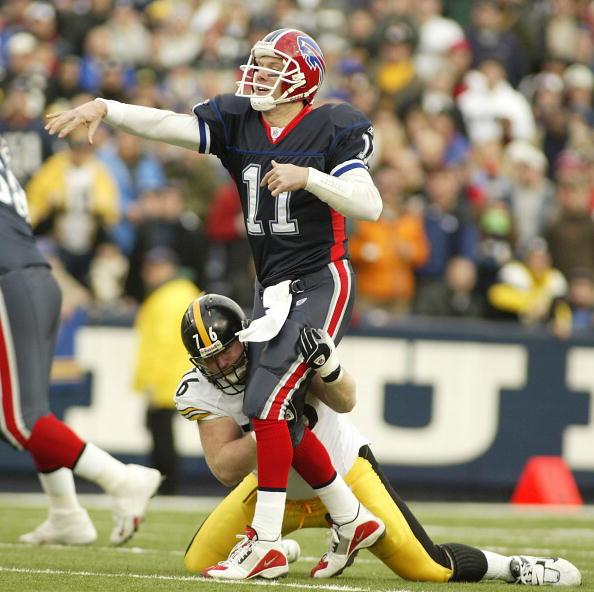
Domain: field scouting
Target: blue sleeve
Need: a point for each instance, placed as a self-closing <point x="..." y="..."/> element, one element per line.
<point x="211" y="127"/>
<point x="353" y="141"/>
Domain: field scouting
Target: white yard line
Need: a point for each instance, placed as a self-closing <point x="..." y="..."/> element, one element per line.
<point x="198" y="503"/>
<point x="54" y="572"/>
<point x="131" y="550"/>
<point x="518" y="533"/>
<point x="141" y="551"/>
<point x="510" y="549"/>
<point x="99" y="500"/>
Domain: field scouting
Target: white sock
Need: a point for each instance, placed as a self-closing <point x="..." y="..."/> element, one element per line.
<point x="497" y="567"/>
<point x="268" y="515"/>
<point x="101" y="468"/>
<point x="339" y="500"/>
<point x="60" y="489"/>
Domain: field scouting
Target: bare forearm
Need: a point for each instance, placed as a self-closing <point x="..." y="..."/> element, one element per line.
<point x="340" y="395"/>
<point x="233" y="461"/>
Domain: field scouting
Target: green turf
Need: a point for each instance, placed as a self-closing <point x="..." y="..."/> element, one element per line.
<point x="152" y="560"/>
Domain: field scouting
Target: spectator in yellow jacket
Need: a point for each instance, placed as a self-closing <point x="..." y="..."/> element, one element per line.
<point x="161" y="357"/>
<point x="529" y="288"/>
<point x="73" y="199"/>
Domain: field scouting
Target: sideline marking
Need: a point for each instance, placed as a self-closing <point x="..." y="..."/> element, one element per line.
<point x="55" y="572"/>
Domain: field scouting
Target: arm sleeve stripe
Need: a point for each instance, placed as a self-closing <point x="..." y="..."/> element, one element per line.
<point x="347" y="166"/>
<point x="194" y="414"/>
<point x="204" y="132"/>
<point x="221" y="119"/>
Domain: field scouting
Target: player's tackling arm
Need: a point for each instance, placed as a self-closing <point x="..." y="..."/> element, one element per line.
<point x="229" y="453"/>
<point x="340" y="395"/>
<point x="332" y="384"/>
<point x="154" y="124"/>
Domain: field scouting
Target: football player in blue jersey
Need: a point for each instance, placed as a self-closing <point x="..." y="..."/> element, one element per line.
<point x="30" y="302"/>
<point x="299" y="171"/>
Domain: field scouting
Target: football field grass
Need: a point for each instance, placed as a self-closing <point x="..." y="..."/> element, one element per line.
<point x="152" y="560"/>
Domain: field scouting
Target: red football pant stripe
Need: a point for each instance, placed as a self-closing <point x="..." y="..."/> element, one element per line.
<point x="53" y="444"/>
<point x="344" y="288"/>
<point x="275" y="452"/>
<point x="16" y="434"/>
<point x="283" y="392"/>
<point x="312" y="461"/>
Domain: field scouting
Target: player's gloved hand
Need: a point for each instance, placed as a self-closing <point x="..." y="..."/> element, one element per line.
<point x="319" y="351"/>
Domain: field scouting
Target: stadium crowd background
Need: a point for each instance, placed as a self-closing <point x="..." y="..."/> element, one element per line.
<point x="483" y="120"/>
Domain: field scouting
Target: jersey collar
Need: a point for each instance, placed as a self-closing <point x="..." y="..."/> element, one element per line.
<point x="291" y="125"/>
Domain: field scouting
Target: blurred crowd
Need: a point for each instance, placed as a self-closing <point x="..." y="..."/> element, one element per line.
<point x="483" y="118"/>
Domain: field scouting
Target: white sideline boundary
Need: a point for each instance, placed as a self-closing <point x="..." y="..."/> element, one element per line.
<point x="198" y="580"/>
<point x="203" y="504"/>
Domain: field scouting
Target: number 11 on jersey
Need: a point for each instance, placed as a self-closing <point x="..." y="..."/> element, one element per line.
<point x="282" y="224"/>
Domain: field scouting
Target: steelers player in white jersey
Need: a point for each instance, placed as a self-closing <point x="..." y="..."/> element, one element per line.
<point x="211" y="394"/>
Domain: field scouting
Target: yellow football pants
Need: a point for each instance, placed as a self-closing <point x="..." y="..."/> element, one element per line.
<point x="400" y="549"/>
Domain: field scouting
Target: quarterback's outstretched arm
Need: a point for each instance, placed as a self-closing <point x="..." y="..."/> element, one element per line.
<point x="178" y="129"/>
<point x="353" y="194"/>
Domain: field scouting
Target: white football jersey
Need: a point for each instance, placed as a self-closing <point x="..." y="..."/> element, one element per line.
<point x="198" y="400"/>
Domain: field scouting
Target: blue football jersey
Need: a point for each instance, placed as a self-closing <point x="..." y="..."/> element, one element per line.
<point x="294" y="233"/>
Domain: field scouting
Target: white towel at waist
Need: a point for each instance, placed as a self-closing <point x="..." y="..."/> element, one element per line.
<point x="277" y="302"/>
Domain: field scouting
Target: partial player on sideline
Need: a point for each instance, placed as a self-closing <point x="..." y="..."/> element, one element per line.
<point x="30" y="301"/>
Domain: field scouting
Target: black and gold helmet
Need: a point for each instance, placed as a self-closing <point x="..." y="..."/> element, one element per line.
<point x="208" y="328"/>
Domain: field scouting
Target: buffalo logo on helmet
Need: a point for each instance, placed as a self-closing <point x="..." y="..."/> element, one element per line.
<point x="312" y="54"/>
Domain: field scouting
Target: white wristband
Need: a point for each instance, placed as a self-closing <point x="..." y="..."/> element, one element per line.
<point x="115" y="111"/>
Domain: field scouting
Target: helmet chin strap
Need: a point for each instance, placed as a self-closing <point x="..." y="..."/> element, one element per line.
<point x="262" y="103"/>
